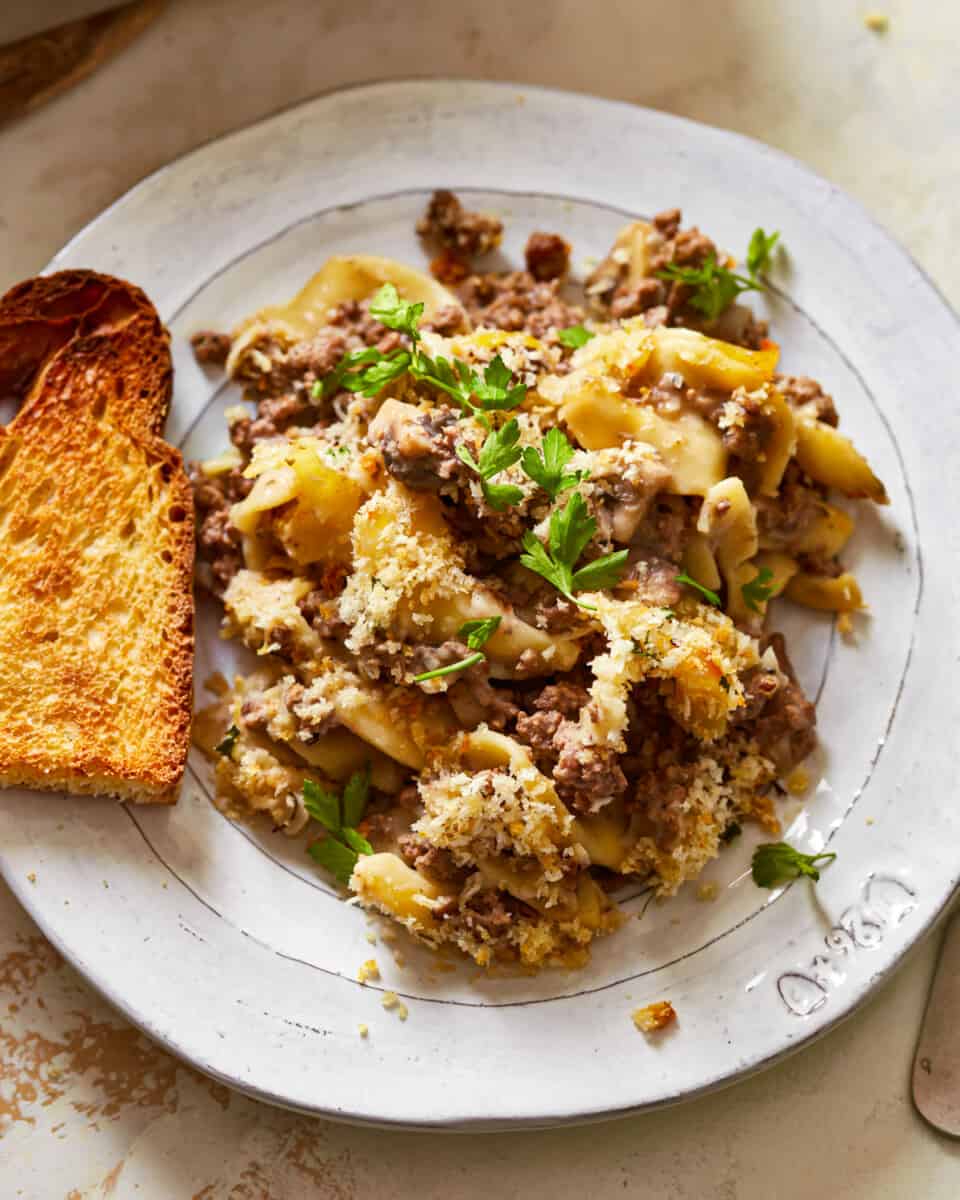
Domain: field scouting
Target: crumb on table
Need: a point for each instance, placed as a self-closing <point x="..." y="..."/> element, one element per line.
<point x="364" y="1030"/>
<point x="877" y="22"/>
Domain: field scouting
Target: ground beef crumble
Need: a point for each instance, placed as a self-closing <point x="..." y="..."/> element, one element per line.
<point x="219" y="551"/>
<point x="210" y="348"/>
<point x="466" y="234"/>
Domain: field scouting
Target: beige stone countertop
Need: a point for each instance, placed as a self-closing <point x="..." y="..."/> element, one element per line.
<point x="88" y="1107"/>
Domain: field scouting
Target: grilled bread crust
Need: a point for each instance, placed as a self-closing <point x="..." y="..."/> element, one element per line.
<point x="96" y="546"/>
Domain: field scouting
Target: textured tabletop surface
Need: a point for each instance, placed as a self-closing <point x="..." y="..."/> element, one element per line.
<point x="88" y="1107"/>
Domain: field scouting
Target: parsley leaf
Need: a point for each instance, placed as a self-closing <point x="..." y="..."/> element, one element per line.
<point x="355" y="796"/>
<point x="322" y="805"/>
<point x="714" y="287"/>
<point x="575" y="336"/>
<point x="338" y="852"/>
<point x="571" y="528"/>
<point x="710" y="597"/>
<point x="372" y="379"/>
<point x="760" y="251"/>
<point x="499" y="451"/>
<point x="758" y="590"/>
<point x="225" y="747"/>
<point x="387" y="308"/>
<point x="496" y="393"/>
<point x="776" y="862"/>
<point x="601" y="573"/>
<point x="546" y="467"/>
<point x="356" y="841"/>
<point x="477" y="634"/>
<point x="335" y="857"/>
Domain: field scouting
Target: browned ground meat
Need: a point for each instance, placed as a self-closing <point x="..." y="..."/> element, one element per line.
<point x="665" y="530"/>
<point x="218" y="543"/>
<point x="320" y="613"/>
<point x="516" y="301"/>
<point x="468" y="234"/>
<point x="749" y="441"/>
<point x="475" y="700"/>
<point x="786" y="728"/>
<point x="446" y="321"/>
<point x="551" y="707"/>
<point x="492" y="911"/>
<point x="586" y="777"/>
<point x="547" y="256"/>
<point x="421" y="451"/>
<point x="431" y="860"/>
<point x="379" y="661"/>
<point x="759" y="688"/>
<point x="660" y="796"/>
<point x="631" y="301"/>
<point x="210" y="348"/>
<point x="784" y="518"/>
<point x="801" y="390"/>
<point x="656" y="581"/>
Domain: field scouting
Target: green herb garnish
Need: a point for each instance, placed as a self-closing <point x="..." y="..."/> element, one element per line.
<point x="575" y="336"/>
<point x="369" y="371"/>
<point x="708" y="595"/>
<point x="758" y="590"/>
<point x="498" y="452"/>
<point x="225" y="747"/>
<point x="400" y="315"/>
<point x="477" y="633"/>
<point x="714" y="287"/>
<point x="339" y="851"/>
<point x="777" y="862"/>
<point x="571" y="528"/>
<point x="546" y="467"/>
<point x="760" y="251"/>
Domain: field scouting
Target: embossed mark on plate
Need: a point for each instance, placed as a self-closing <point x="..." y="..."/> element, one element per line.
<point x="885" y="903"/>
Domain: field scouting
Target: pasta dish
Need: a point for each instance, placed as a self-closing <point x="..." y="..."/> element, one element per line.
<point x="504" y="546"/>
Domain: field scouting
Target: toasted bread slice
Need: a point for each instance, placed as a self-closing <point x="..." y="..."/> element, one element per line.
<point x="96" y="546"/>
<point x="39" y="316"/>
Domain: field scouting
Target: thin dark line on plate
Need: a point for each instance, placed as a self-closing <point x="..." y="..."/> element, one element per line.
<point x="893" y="711"/>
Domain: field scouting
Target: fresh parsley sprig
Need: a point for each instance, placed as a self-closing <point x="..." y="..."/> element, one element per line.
<point x="546" y="466"/>
<point x="760" y="251"/>
<point x="708" y="595"/>
<point x="575" y="336"/>
<point x="758" y="590"/>
<point x="778" y="862"/>
<point x="476" y="395"/>
<point x="403" y="316"/>
<point x="498" y="452"/>
<point x="477" y="633"/>
<point x="571" y="528"/>
<point x="369" y="371"/>
<point x="340" y="850"/>
<point x="715" y="287"/>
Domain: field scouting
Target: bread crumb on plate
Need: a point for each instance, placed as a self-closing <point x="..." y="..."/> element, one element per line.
<point x="654" y="1017"/>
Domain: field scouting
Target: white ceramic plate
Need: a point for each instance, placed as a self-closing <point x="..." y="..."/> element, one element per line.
<point x="228" y="947"/>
